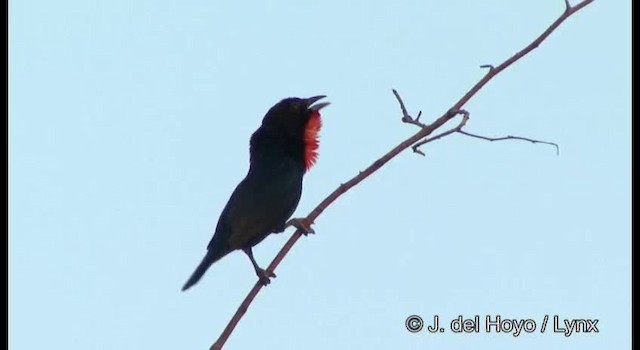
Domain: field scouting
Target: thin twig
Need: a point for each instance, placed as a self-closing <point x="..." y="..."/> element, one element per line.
<point x="567" y="5"/>
<point x="422" y="133"/>
<point x="405" y="114"/>
<point x="490" y="67"/>
<point x="406" y="117"/>
<point x="510" y="137"/>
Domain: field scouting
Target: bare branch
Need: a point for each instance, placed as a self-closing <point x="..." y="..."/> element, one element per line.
<point x="458" y="128"/>
<point x="510" y="137"/>
<point x="425" y="131"/>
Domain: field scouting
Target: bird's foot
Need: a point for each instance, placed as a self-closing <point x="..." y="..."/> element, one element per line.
<point x="301" y="224"/>
<point x="265" y="276"/>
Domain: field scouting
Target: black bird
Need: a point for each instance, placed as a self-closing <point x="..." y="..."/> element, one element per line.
<point x="281" y="151"/>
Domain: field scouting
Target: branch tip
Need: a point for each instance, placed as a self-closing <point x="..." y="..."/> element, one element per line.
<point x="416" y="150"/>
<point x="405" y="114"/>
<point x="511" y="137"/>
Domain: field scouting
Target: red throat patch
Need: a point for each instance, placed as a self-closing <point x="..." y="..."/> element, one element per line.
<point x="311" y="142"/>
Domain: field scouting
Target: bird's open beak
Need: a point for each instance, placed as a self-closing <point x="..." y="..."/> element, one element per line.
<point x="311" y="103"/>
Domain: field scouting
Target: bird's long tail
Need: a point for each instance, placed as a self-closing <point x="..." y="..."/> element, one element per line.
<point x="207" y="261"/>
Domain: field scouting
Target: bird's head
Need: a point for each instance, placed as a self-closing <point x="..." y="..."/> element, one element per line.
<point x="298" y="120"/>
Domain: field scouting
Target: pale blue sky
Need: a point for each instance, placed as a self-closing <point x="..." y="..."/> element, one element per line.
<point x="129" y="125"/>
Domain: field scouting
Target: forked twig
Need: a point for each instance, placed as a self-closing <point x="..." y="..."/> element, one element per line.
<point x="406" y="117"/>
<point x="458" y="128"/>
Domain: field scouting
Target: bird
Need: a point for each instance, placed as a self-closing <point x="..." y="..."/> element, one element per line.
<point x="281" y="151"/>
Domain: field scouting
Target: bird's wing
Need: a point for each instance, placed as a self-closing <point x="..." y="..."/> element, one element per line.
<point x="260" y="204"/>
